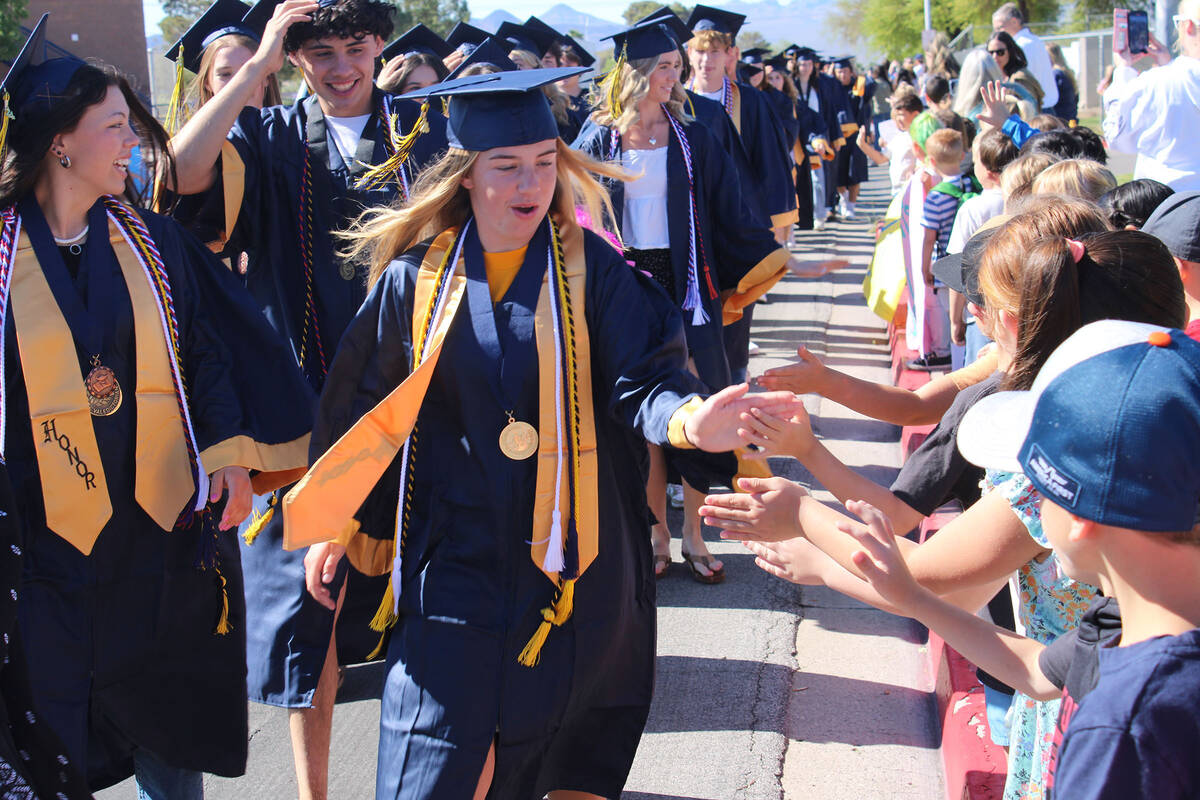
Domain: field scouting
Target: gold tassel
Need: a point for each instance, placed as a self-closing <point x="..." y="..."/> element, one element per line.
<point x="403" y="145"/>
<point x="554" y="616"/>
<point x="174" y="108"/>
<point x="384" y="619"/>
<point x="614" y="86"/>
<point x="259" y="521"/>
<point x="4" y="127"/>
<point x="223" y="626"/>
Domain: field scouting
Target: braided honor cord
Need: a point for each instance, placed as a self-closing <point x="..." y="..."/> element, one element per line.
<point x="8" y="246"/>
<point x="306" y="260"/>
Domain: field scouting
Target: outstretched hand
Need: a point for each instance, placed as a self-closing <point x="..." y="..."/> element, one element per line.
<point x="765" y="510"/>
<point x="880" y="560"/>
<point x="995" y="107"/>
<point x="803" y="376"/>
<point x="815" y="269"/>
<point x="714" y="425"/>
<point x="796" y="560"/>
<point x="776" y="436"/>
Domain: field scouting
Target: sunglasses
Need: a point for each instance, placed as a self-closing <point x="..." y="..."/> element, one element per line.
<point x="999" y="52"/>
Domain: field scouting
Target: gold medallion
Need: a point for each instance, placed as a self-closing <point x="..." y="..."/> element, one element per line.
<point x="103" y="391"/>
<point x="518" y="440"/>
<point x="347" y="271"/>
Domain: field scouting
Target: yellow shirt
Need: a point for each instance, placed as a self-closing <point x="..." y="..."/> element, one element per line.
<point x="502" y="269"/>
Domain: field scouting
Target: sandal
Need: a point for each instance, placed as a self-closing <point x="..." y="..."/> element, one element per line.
<point x="715" y="576"/>
<point x="662" y="565"/>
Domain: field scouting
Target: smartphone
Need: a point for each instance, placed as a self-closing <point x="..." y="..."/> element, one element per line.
<point x="1139" y="32"/>
<point x="1120" y="30"/>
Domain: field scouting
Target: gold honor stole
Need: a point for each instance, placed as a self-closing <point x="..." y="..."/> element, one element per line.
<point x="321" y="507"/>
<point x="74" y="488"/>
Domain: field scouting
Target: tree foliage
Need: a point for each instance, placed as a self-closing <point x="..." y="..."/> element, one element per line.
<point x="748" y="40"/>
<point x="640" y="8"/>
<point x="12" y="14"/>
<point x="438" y="15"/>
<point x="893" y="27"/>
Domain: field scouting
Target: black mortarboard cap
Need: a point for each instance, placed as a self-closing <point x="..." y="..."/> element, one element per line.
<point x="503" y="109"/>
<point x="842" y="61"/>
<point x="778" y="62"/>
<point x="747" y="71"/>
<point x="465" y="34"/>
<point x="224" y="17"/>
<point x="796" y="51"/>
<point x="33" y="78"/>
<point x="542" y="34"/>
<point x="754" y="55"/>
<point x="518" y="38"/>
<point x="491" y="51"/>
<point x="707" y="18"/>
<point x="660" y="13"/>
<point x="586" y="59"/>
<point x="651" y="38"/>
<point x="260" y="13"/>
<point x="417" y="39"/>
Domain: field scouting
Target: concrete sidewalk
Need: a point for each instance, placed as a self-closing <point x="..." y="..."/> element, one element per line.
<point x="764" y="690"/>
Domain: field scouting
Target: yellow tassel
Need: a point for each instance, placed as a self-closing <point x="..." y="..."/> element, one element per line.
<point x="385" y="615"/>
<point x="614" y="87"/>
<point x="174" y="108"/>
<point x="403" y="146"/>
<point x="4" y="127"/>
<point x="259" y="521"/>
<point x="378" y="651"/>
<point x="223" y="626"/>
<point x="554" y="616"/>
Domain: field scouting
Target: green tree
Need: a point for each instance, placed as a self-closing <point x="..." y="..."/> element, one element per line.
<point x="893" y="27"/>
<point x="640" y="8"/>
<point x="748" y="40"/>
<point x="180" y="14"/>
<point x="438" y="15"/>
<point x="12" y="14"/>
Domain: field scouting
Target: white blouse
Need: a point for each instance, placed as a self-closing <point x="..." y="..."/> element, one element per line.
<point x="644" y="225"/>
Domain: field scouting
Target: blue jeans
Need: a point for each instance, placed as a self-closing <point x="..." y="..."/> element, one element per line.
<point x="157" y="780"/>
<point x="998" y="704"/>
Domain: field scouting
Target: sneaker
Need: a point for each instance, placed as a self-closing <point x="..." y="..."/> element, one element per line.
<point x="848" y="210"/>
<point x="928" y="363"/>
<point x="818" y="224"/>
<point x="675" y="495"/>
<point x="753" y="348"/>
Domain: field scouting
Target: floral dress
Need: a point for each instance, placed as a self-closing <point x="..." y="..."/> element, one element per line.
<point x="1048" y="605"/>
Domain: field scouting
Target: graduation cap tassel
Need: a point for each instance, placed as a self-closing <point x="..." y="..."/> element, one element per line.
<point x="8" y="115"/>
<point x="384" y="619"/>
<point x="402" y="147"/>
<point x="554" y="616"/>
<point x="223" y="626"/>
<point x="614" y="86"/>
<point x="174" y="108"/>
<point x="259" y="521"/>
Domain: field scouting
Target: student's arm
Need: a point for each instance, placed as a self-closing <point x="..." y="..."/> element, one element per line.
<point x="880" y="401"/>
<point x="958" y="325"/>
<point x="1006" y="655"/>
<point x="198" y="145"/>
<point x="864" y="144"/>
<point x="927" y="244"/>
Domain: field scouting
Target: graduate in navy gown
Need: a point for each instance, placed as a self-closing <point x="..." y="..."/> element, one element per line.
<point x="822" y="94"/>
<point x="803" y="124"/>
<point x="141" y="384"/>
<point x="486" y="419"/>
<point x="851" y="160"/>
<point x="683" y="221"/>
<point x="288" y="179"/>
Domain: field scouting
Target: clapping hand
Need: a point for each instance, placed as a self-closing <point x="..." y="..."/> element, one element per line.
<point x="765" y="510"/>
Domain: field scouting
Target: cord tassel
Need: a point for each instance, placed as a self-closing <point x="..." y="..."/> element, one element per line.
<point x="554" y="616"/>
<point x="259" y="521"/>
<point x="553" y="562"/>
<point x="8" y="115"/>
<point x="223" y="626"/>
<point x="402" y="148"/>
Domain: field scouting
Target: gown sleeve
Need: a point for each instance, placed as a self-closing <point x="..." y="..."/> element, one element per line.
<point x="764" y="137"/>
<point x="236" y="367"/>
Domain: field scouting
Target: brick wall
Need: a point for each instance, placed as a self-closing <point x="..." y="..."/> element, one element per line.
<point x="112" y="31"/>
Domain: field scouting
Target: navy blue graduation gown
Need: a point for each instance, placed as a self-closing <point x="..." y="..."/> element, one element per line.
<point x="289" y="631"/>
<point x="123" y="639"/>
<point x="712" y="115"/>
<point x="734" y="242"/>
<point x="809" y="126"/>
<point x="852" y="161"/>
<point x="471" y="595"/>
<point x="831" y="99"/>
<point x="763" y="136"/>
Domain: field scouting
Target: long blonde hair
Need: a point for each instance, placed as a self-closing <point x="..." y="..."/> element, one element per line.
<point x="560" y="104"/>
<point x="439" y="201"/>
<point x="199" y="92"/>
<point x="1076" y="177"/>
<point x="627" y="84"/>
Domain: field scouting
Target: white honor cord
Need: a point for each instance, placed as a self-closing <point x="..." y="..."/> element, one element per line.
<point x="438" y="308"/>
<point x="553" y="562"/>
<point x="11" y="255"/>
<point x="201" y="474"/>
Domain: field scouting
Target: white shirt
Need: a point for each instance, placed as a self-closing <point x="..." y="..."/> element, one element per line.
<point x="1039" y="65"/>
<point x="644" y="224"/>
<point x="1157" y="116"/>
<point x="972" y="214"/>
<point x="901" y="160"/>
<point x="344" y="133"/>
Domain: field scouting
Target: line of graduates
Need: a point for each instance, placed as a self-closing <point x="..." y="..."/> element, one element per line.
<point x="263" y="352"/>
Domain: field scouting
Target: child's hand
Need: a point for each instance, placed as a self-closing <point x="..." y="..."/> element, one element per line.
<point x="958" y="332"/>
<point x="806" y="375"/>
<point x="765" y="510"/>
<point x="927" y="273"/>
<point x="880" y="561"/>
<point x="777" y="436"/>
<point x="797" y="560"/>
<point x="995" y="110"/>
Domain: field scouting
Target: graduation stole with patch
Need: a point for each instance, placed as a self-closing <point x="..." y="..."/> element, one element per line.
<point x="74" y="488"/>
<point x="565" y="537"/>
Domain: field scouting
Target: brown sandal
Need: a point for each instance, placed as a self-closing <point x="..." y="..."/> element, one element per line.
<point x="716" y="576"/>
<point x="663" y="561"/>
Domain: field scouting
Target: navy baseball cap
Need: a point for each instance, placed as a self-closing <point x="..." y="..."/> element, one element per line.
<point x="1110" y="429"/>
<point x="1176" y="222"/>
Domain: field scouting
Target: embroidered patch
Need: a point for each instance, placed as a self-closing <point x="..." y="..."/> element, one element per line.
<point x="1051" y="479"/>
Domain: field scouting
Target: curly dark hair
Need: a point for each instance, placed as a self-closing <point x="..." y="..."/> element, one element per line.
<point x="345" y="19"/>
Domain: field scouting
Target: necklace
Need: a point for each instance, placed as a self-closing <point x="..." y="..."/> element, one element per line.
<point x="74" y="243"/>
